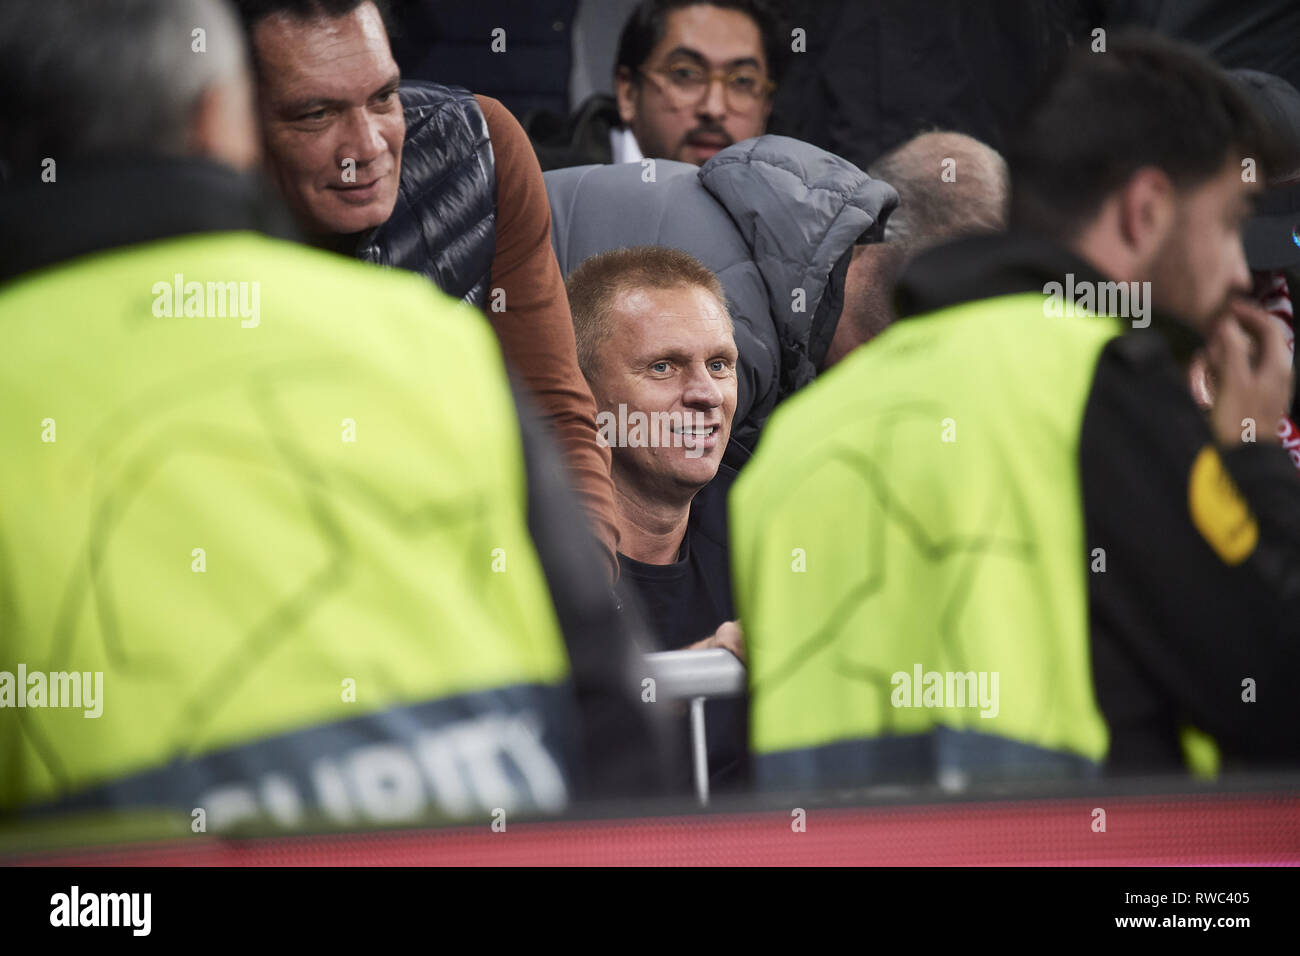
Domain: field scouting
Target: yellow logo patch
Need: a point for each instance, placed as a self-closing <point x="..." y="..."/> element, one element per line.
<point x="1219" y="512"/>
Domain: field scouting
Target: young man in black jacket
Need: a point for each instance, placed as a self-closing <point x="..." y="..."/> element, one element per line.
<point x="1014" y="479"/>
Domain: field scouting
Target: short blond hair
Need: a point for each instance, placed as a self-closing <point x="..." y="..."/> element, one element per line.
<point x="595" y="285"/>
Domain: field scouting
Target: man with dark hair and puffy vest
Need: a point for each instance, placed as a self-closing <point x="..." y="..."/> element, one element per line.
<point x="432" y="179"/>
<point x="1000" y="540"/>
<point x="265" y="552"/>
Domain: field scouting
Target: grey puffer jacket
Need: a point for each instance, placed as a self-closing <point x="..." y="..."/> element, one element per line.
<point x="774" y="217"/>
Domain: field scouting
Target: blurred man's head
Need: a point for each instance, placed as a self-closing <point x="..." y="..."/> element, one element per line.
<point x="949" y="185"/>
<point x="331" y="119"/>
<point x="694" y="77"/>
<point x="868" y="297"/>
<point x="1134" y="159"/>
<point x="123" y="78"/>
<point x="654" y="336"/>
<point x="1272" y="237"/>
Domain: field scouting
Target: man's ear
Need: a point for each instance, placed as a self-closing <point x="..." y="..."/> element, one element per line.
<point x="222" y="125"/>
<point x="625" y="89"/>
<point x="1147" y="212"/>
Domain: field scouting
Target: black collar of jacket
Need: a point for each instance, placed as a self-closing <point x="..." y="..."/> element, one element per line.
<point x="95" y="205"/>
<point x="982" y="267"/>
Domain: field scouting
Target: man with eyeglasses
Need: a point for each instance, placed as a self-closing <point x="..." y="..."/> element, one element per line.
<point x="691" y="78"/>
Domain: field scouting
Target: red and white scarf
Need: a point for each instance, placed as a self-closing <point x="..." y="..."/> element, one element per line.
<point x="1273" y="295"/>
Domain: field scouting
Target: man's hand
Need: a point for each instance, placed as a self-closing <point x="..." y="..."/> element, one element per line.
<point x="1251" y="366"/>
<point x="1200" y="381"/>
<point x="728" y="636"/>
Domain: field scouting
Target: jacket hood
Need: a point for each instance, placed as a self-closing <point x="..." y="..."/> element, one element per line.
<point x="105" y="202"/>
<point x="988" y="266"/>
<point x="801" y="210"/>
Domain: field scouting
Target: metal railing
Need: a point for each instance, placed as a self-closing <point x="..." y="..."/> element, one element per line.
<point x="697" y="676"/>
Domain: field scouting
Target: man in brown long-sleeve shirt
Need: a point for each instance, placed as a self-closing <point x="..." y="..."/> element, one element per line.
<point x="449" y="187"/>
<point x="535" y="329"/>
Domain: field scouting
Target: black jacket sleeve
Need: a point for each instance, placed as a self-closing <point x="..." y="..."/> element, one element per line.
<point x="1195" y="611"/>
<point x="623" y="747"/>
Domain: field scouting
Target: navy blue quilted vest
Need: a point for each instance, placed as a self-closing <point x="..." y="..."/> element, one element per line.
<point x="444" y="223"/>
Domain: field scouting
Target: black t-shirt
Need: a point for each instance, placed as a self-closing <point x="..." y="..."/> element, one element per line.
<point x="684" y="602"/>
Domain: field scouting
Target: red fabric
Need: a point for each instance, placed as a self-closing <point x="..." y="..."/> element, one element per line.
<point x="1201" y="830"/>
<point x="1274" y="297"/>
<point x="1290" y="435"/>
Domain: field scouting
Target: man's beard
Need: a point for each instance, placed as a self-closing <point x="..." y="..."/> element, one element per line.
<point x="1173" y="284"/>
